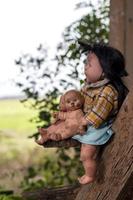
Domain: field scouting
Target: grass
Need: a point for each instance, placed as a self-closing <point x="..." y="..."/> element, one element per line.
<point x="15" y="127"/>
<point x="14" y="117"/>
<point x="17" y="152"/>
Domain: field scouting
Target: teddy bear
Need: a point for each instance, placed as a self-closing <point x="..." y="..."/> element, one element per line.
<point x="67" y="121"/>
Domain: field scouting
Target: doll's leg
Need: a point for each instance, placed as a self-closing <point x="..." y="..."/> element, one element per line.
<point x="55" y="136"/>
<point x="63" y="132"/>
<point x="44" y="136"/>
<point x="89" y="163"/>
<point x="61" y="135"/>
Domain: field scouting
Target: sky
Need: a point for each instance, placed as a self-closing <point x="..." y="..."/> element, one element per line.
<point x="25" y="24"/>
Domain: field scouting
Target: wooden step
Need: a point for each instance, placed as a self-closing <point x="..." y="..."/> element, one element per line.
<point x="63" y="143"/>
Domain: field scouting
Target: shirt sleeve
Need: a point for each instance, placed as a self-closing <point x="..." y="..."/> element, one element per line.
<point x="103" y="105"/>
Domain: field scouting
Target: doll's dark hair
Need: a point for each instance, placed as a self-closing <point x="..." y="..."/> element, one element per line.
<point x="113" y="64"/>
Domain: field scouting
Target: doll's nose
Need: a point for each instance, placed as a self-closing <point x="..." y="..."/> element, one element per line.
<point x="72" y="103"/>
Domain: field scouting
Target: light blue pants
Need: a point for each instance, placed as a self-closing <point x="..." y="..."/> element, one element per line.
<point x="96" y="136"/>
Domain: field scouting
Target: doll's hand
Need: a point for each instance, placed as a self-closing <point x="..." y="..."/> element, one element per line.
<point x="53" y="121"/>
<point x="83" y="126"/>
<point x="82" y="130"/>
<point x="55" y="116"/>
<point x="42" y="131"/>
<point x="84" y="122"/>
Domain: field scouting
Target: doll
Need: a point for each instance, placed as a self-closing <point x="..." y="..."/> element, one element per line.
<point x="68" y="121"/>
<point x="104" y="92"/>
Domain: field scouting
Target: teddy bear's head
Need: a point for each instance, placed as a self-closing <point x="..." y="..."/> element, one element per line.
<point x="71" y="100"/>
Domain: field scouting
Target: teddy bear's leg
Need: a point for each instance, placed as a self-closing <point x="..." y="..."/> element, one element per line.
<point x="55" y="136"/>
<point x="42" y="131"/>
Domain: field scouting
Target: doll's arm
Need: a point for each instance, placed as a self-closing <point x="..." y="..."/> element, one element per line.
<point x="55" y="114"/>
<point x="84" y="121"/>
<point x="83" y="125"/>
<point x="55" y="117"/>
<point x="62" y="115"/>
<point x="80" y="117"/>
<point x="59" y="116"/>
<point x="81" y="121"/>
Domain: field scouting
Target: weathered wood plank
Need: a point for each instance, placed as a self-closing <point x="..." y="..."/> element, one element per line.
<point x="129" y="40"/>
<point x="64" y="143"/>
<point x="117" y="19"/>
<point x="116" y="165"/>
<point x="127" y="191"/>
<point x="121" y="15"/>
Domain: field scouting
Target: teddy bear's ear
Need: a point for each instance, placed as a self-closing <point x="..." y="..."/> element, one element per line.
<point x="62" y="103"/>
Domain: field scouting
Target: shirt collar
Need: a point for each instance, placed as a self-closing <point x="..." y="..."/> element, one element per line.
<point x="97" y="84"/>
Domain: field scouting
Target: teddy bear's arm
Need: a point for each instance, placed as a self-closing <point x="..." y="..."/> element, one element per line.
<point x="62" y="115"/>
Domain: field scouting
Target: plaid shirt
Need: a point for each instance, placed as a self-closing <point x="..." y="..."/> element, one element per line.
<point x="101" y="103"/>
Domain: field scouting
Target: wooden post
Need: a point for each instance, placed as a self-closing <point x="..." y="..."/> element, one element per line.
<point x="121" y="32"/>
<point x="129" y="41"/>
<point x="117" y="24"/>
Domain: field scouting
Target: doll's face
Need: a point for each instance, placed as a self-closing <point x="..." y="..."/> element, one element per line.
<point x="73" y="102"/>
<point x="92" y="68"/>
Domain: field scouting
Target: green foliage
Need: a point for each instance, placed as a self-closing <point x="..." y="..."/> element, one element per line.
<point x="55" y="171"/>
<point x="93" y="27"/>
<point x="37" y="81"/>
<point x="10" y="197"/>
<point x="49" y="78"/>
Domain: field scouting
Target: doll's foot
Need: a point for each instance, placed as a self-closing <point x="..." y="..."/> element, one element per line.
<point x="55" y="137"/>
<point x="42" y="140"/>
<point x="39" y="141"/>
<point x="85" y="179"/>
<point x="43" y="136"/>
<point x="42" y="131"/>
